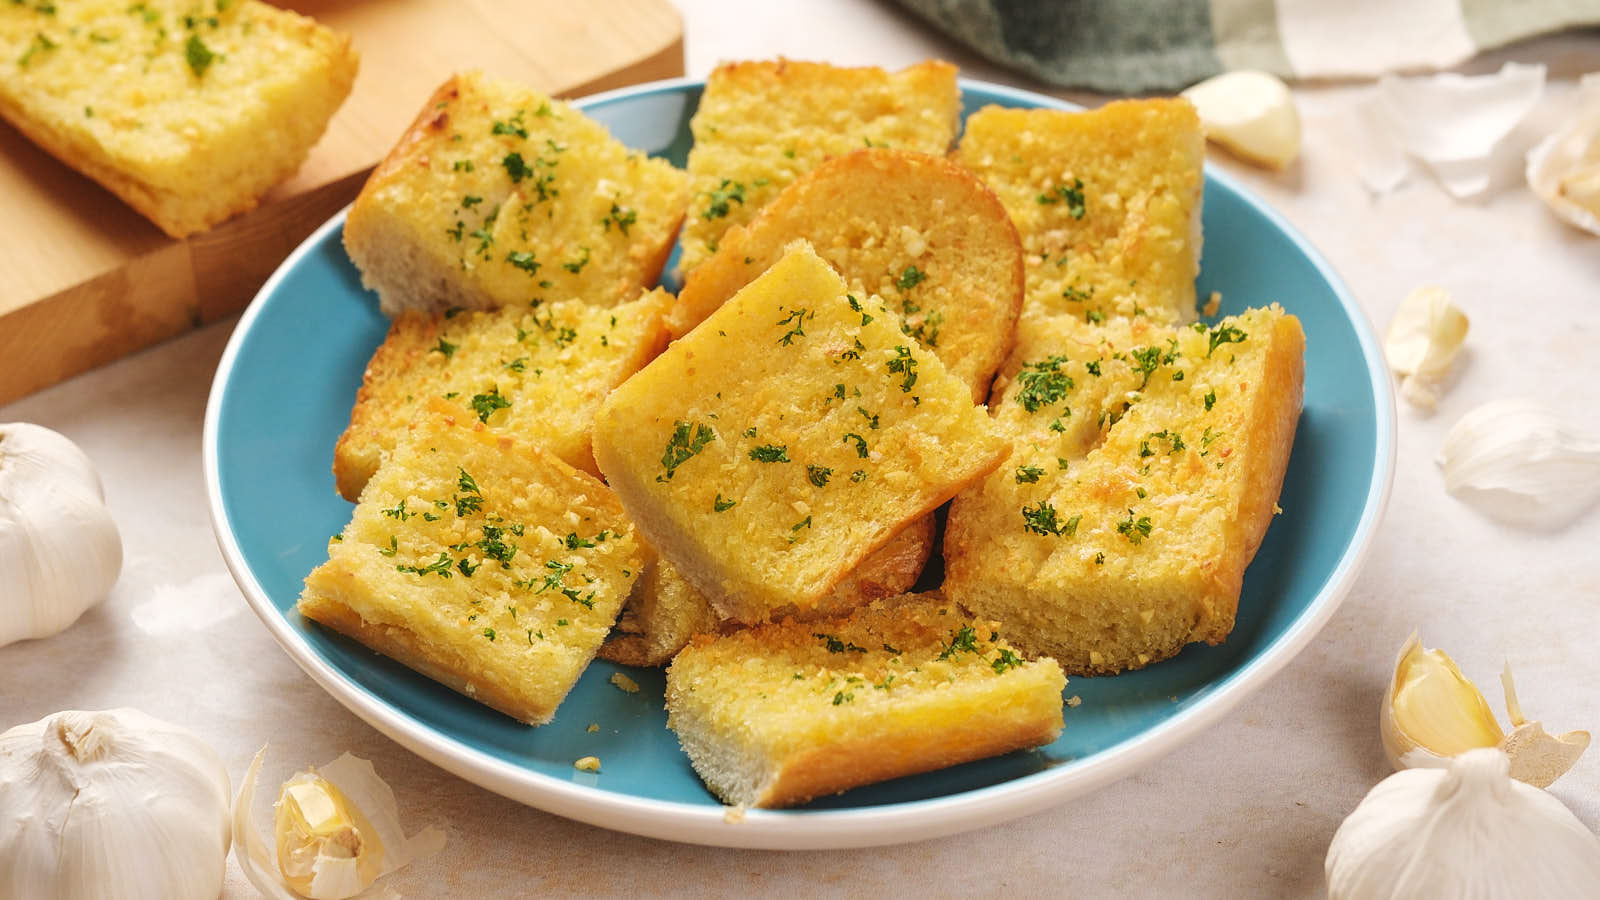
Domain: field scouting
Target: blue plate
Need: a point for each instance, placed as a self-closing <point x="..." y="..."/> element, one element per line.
<point x="283" y="393"/>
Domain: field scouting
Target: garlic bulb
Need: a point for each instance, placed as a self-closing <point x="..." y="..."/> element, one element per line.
<point x="112" y="805"/>
<point x="1432" y="713"/>
<point x="1466" y="831"/>
<point x="1424" y="337"/>
<point x="1564" y="168"/>
<point x="59" y="549"/>
<point x="1521" y="463"/>
<point x="1251" y="113"/>
<point x="337" y="831"/>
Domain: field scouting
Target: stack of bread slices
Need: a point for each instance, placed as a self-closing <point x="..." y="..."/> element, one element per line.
<point x="553" y="458"/>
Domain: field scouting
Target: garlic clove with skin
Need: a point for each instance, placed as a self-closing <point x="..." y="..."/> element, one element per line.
<point x="1432" y="713"/>
<point x="111" y="804"/>
<point x="1424" y="337"/>
<point x="337" y="830"/>
<point x="1521" y="463"/>
<point x="60" y="552"/>
<point x="1466" y="831"/>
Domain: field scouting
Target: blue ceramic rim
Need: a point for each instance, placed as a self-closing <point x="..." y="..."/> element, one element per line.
<point x="822" y="829"/>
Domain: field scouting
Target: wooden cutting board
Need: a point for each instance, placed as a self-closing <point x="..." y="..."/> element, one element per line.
<point x="85" y="280"/>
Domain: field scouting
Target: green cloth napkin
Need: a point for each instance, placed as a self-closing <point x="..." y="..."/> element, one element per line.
<point x="1132" y="46"/>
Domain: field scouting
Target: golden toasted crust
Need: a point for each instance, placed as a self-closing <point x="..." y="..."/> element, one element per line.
<point x="665" y="611"/>
<point x="484" y="563"/>
<point x="1107" y="203"/>
<point x="498" y="195"/>
<point x="760" y="125"/>
<point x="806" y="409"/>
<point x="778" y="714"/>
<point x="187" y="138"/>
<point x="539" y="373"/>
<point x="1115" y="540"/>
<point x="919" y="231"/>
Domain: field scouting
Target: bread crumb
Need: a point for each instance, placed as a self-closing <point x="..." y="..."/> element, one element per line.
<point x="733" y="815"/>
<point x="625" y="684"/>
<point x="593" y="727"/>
<point x="1213" y="303"/>
<point x="588" y="764"/>
<point x="1074" y="701"/>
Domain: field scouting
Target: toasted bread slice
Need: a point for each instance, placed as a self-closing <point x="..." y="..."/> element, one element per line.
<point x="760" y="125"/>
<point x="665" y="611"/>
<point x="1113" y="540"/>
<point x="919" y="231"/>
<point x="1107" y="203"/>
<point x="778" y="714"/>
<point x="771" y="450"/>
<point x="187" y="111"/>
<point x="498" y="195"/>
<point x="482" y="562"/>
<point x="539" y="373"/>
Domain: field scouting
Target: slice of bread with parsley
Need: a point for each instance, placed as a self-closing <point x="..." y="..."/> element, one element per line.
<point x="498" y="195"/>
<point x="665" y="611"/>
<point x="771" y="450"/>
<point x="188" y="111"/>
<point x="1107" y="203"/>
<point x="776" y="715"/>
<point x="536" y="372"/>
<point x="919" y="231"/>
<point x="1146" y="467"/>
<point x="482" y="562"/>
<point x="761" y="125"/>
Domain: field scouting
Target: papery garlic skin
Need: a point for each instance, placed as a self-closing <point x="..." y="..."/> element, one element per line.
<point x="1251" y="113"/>
<point x="1424" y="337"/>
<point x="1466" y="831"/>
<point x="1564" y="168"/>
<point x="60" y="552"/>
<point x="1521" y="463"/>
<point x="111" y="805"/>
<point x="344" y="792"/>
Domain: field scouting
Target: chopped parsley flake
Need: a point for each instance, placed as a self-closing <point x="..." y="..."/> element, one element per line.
<point x="905" y="364"/>
<point x="439" y="567"/>
<point x="796" y="321"/>
<point x="1134" y="530"/>
<point x="1042" y="519"/>
<point x="818" y="475"/>
<point x="910" y="278"/>
<point x="523" y="260"/>
<point x="861" y="444"/>
<point x="1006" y="660"/>
<point x="1227" y="334"/>
<point x="1043" y="383"/>
<point x="721" y="505"/>
<point x="620" y="216"/>
<point x="198" y="55"/>
<point x="963" y="641"/>
<point x="516" y="167"/>
<point x="486" y="404"/>
<point x="445" y="347"/>
<point x="1211" y="399"/>
<point x="728" y="192"/>
<point x="769" y="453"/>
<point x="685" y="442"/>
<point x="835" y="645"/>
<point x="1028" y="474"/>
<point x="1073" y="196"/>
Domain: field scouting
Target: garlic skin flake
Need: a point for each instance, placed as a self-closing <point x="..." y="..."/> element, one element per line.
<point x="111" y="805"/>
<point x="1521" y="463"/>
<point x="1564" y="168"/>
<point x="1251" y="113"/>
<point x="1466" y="831"/>
<point x="1432" y="713"/>
<point x="60" y="552"/>
<point x="1424" y="336"/>
<point x="337" y="832"/>
<point x="1453" y="123"/>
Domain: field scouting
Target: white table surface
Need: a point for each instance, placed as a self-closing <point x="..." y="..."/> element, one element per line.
<point x="1245" y="809"/>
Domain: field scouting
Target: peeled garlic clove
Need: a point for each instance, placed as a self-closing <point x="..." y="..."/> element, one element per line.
<point x="1424" y="336"/>
<point x="1537" y="756"/>
<point x="1521" y="463"/>
<point x="1431" y="712"/>
<point x="337" y="831"/>
<point x="111" y="803"/>
<point x="1251" y="113"/>
<point x="60" y="552"/>
<point x="1466" y="831"/>
<point x="1564" y="168"/>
